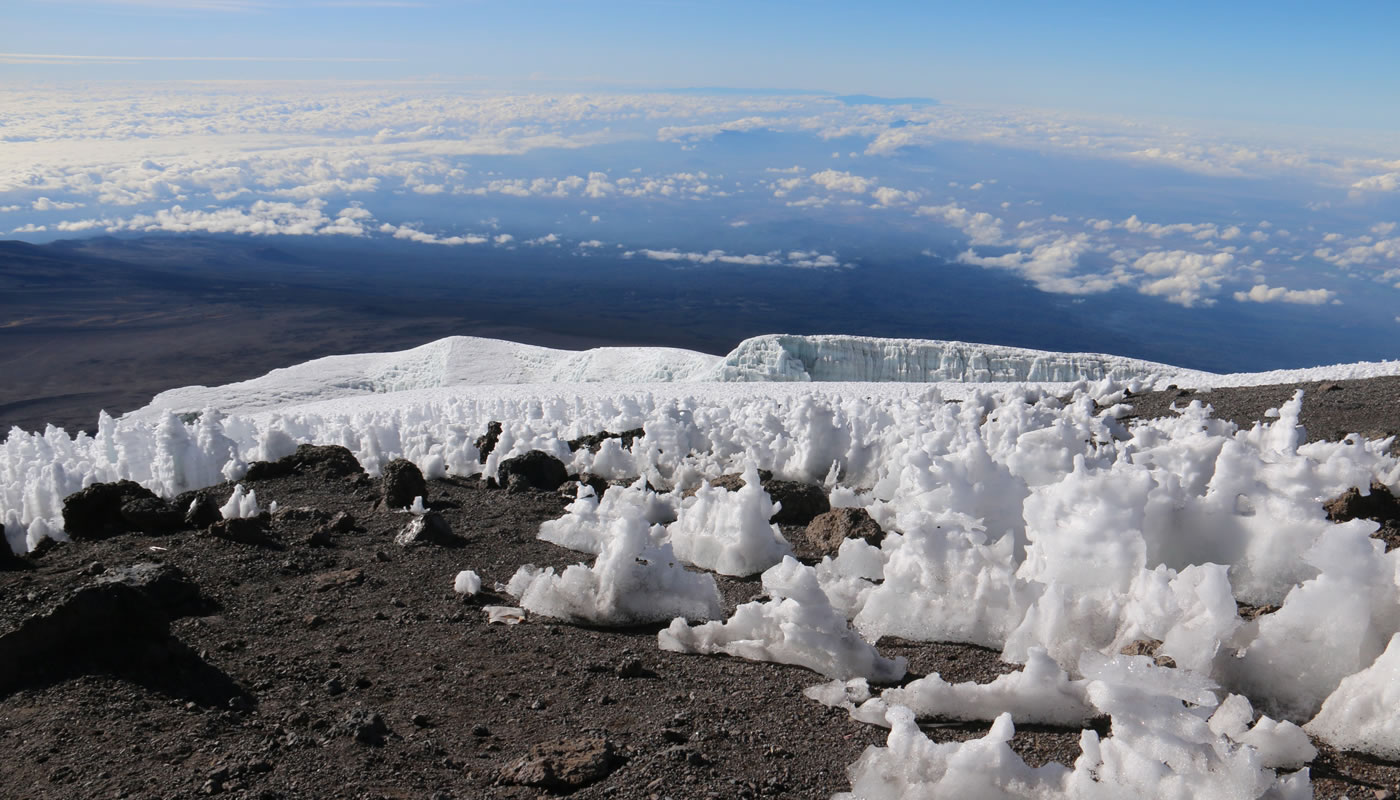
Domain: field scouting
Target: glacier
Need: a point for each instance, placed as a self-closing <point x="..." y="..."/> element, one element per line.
<point x="779" y="357"/>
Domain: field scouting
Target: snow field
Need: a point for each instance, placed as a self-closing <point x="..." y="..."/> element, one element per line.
<point x="1050" y="530"/>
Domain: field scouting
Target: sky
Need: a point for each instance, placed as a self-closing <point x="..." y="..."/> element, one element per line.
<point x="1288" y="63"/>
<point x="1239" y="159"/>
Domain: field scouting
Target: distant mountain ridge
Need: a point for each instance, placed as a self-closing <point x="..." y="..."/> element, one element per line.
<point x="468" y="360"/>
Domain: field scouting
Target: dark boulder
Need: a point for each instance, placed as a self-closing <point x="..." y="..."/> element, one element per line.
<point x="152" y="515"/>
<point x="166" y="585"/>
<point x="801" y="502"/>
<point x="535" y="470"/>
<point x="96" y="512"/>
<point x="1379" y="505"/>
<point x="323" y="461"/>
<point x="402" y="482"/>
<point x="827" y="531"/>
<point x="93" y="626"/>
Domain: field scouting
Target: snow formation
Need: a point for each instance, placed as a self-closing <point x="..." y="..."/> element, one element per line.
<point x="1038" y="520"/>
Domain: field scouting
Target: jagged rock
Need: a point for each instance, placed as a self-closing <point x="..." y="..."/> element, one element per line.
<point x="152" y="515"/>
<point x="827" y="531"/>
<point x="200" y="508"/>
<point x="1379" y="505"/>
<point x="402" y="482"/>
<point x="246" y="530"/>
<point x="342" y="522"/>
<point x="802" y="502"/>
<point x="430" y="528"/>
<point x="96" y="512"/>
<point x="595" y="440"/>
<point x="96" y="624"/>
<point x="326" y="461"/>
<point x="367" y="727"/>
<point x="486" y="443"/>
<point x="167" y="585"/>
<point x="536" y="470"/>
<point x="566" y="765"/>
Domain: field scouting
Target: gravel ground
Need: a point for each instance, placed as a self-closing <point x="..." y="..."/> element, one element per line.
<point x="345" y="667"/>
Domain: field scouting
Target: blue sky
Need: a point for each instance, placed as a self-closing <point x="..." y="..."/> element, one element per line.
<point x="1278" y="62"/>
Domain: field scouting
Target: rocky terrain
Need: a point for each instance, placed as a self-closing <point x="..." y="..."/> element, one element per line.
<point x="321" y="651"/>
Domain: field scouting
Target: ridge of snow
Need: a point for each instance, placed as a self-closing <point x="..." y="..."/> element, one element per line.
<point x="460" y="361"/>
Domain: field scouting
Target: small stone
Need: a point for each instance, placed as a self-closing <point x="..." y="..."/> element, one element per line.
<point x="428" y="529"/>
<point x="338" y="580"/>
<point x="480" y="730"/>
<point x="367" y="727"/>
<point x="420" y="721"/>
<point x="334" y="687"/>
<point x="633" y="668"/>
<point x="566" y="765"/>
<point x="314" y="621"/>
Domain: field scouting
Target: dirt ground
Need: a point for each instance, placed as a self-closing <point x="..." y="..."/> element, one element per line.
<point x="344" y="666"/>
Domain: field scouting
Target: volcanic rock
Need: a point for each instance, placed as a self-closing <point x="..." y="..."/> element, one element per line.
<point x="566" y="765"/>
<point x="152" y="515"/>
<point x="1379" y="505"/>
<point x="403" y="481"/>
<point x="325" y="461"/>
<point x="535" y="470"/>
<point x="801" y="502"/>
<point x="429" y="528"/>
<point x="246" y="530"/>
<point x="827" y="531"/>
<point x="486" y="443"/>
<point x="164" y="584"/>
<point x="96" y="512"/>
<point x="595" y="440"/>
